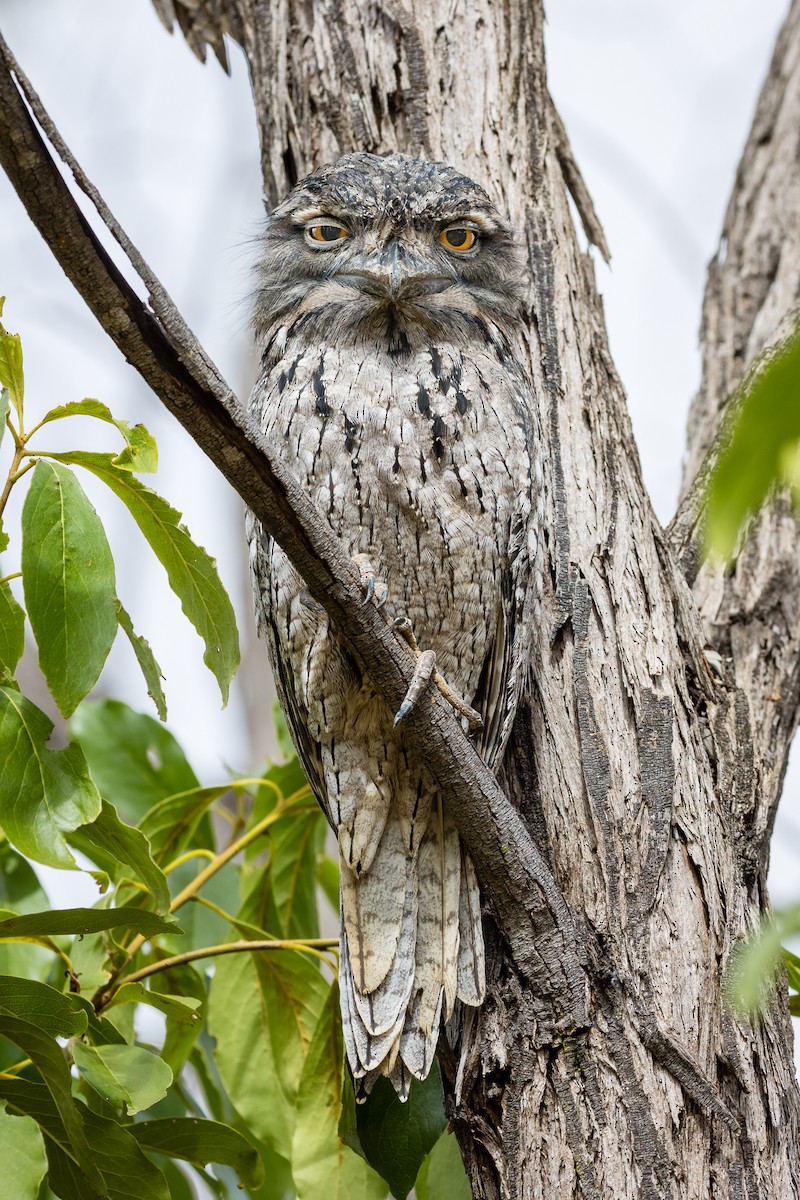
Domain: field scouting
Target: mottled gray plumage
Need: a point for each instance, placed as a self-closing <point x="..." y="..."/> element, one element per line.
<point x="385" y="315"/>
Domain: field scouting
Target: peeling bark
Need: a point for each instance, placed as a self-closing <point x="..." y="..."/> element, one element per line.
<point x="648" y="781"/>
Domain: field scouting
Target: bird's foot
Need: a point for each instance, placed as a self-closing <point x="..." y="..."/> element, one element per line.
<point x="424" y="672"/>
<point x="373" y="589"/>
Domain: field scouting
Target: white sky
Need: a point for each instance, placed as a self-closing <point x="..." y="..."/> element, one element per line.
<point x="657" y="99"/>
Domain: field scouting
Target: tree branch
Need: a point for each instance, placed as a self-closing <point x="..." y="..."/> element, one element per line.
<point x="520" y="888"/>
<point x="751" y="614"/>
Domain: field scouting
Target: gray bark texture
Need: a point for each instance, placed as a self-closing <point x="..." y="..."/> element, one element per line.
<point x="603" y="1063"/>
<point x="648" y="780"/>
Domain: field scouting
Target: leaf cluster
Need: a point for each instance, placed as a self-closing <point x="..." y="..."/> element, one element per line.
<point x="761" y="447"/>
<point x="186" y="1028"/>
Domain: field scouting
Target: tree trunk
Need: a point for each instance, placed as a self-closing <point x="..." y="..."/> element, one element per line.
<point x="647" y="769"/>
<point x="648" y="780"/>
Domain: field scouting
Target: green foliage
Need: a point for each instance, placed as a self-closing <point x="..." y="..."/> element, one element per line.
<point x="761" y="452"/>
<point x="186" y="1027"/>
<point x="396" y="1138"/>
<point x="756" y="965"/>
<point x="67" y="565"/>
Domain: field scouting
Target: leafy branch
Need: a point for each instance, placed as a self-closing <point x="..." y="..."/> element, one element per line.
<point x="308" y="945"/>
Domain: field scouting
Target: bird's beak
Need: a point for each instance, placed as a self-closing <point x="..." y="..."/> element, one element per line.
<point x="395" y="273"/>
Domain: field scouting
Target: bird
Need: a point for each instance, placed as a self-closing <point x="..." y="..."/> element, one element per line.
<point x="391" y="384"/>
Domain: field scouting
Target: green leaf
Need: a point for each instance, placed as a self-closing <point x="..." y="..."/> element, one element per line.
<point x="122" y="849"/>
<point x="397" y="1137"/>
<point x="295" y="844"/>
<point x="47" y="1056"/>
<point x="12" y="629"/>
<point x="792" y="969"/>
<point x="135" y="761"/>
<point x="181" y="1008"/>
<point x="191" y="571"/>
<point x="123" y="1075"/>
<point x="323" y="1168"/>
<point x="146" y="660"/>
<point x="22" y="1155"/>
<point x="285" y="743"/>
<point x="88" y="920"/>
<point x="172" y="823"/>
<point x="281" y="782"/>
<point x="140" y="453"/>
<point x="20" y="892"/>
<point x="43" y="793"/>
<point x="200" y="1142"/>
<point x="11" y="374"/>
<point x="100" y="1030"/>
<point x="750" y="972"/>
<point x="277" y="997"/>
<point x="764" y="434"/>
<point x="68" y="577"/>
<point x="42" y="1006"/>
<point x="20" y="889"/>
<point x="442" y="1175"/>
<point x="5" y="398"/>
<point x="184" y="983"/>
<point x="125" y="1173"/>
<point x="328" y="880"/>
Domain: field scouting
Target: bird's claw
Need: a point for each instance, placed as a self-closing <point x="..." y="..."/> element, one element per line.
<point x="423" y="671"/>
<point x="371" y="588"/>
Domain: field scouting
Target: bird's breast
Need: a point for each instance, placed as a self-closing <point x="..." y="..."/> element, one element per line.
<point x="420" y="463"/>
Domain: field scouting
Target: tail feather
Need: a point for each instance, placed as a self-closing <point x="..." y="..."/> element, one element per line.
<point x="471" y="955"/>
<point x="411" y="945"/>
<point x="367" y="1050"/>
<point x="421" y="1033"/>
<point x="373" y="906"/>
<point x="384" y="1008"/>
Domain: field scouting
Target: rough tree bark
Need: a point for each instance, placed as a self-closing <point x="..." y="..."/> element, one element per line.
<point x="648" y="779"/>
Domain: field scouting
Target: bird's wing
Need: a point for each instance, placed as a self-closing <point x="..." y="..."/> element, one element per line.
<point x="506" y="666"/>
<point x="308" y="749"/>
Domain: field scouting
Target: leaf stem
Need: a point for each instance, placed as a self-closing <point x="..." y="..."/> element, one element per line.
<point x="201" y="852"/>
<point x="15" y="1068"/>
<point x="312" y="946"/>
<point x="234" y="848"/>
<point x="202" y="877"/>
<point x="19" y="454"/>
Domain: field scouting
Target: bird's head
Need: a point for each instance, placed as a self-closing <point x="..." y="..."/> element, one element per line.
<point x="390" y="249"/>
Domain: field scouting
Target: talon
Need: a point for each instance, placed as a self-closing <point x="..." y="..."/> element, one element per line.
<point x="402" y="625"/>
<point x="366" y="577"/>
<point x="422" y="676"/>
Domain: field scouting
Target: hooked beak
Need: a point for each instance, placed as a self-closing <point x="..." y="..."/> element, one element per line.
<point x="394" y="275"/>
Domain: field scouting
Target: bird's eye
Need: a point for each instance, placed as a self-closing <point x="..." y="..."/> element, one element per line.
<point x="324" y="232"/>
<point x="459" y="239"/>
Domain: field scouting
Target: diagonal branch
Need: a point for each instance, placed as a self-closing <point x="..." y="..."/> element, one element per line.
<point x="519" y="886"/>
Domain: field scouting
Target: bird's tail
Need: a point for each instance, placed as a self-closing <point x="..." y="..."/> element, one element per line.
<point x="411" y="945"/>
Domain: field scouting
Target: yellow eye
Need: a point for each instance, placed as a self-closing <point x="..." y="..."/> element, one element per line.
<point x="324" y="231"/>
<point x="459" y="239"/>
